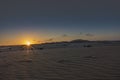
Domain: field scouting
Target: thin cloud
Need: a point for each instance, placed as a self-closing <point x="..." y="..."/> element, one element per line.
<point x="88" y="34"/>
<point x="64" y="35"/>
<point x="79" y="34"/>
<point x="51" y="39"/>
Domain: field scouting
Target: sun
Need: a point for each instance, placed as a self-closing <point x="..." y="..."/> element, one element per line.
<point x="28" y="43"/>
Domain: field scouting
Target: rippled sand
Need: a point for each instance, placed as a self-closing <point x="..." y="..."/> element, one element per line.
<point x="93" y="63"/>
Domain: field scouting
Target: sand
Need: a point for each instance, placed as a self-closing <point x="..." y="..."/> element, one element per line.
<point x="101" y="63"/>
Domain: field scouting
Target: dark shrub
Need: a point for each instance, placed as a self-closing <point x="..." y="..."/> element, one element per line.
<point x="87" y="46"/>
<point x="41" y="48"/>
<point x="9" y="48"/>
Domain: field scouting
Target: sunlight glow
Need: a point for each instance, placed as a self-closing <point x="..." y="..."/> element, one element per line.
<point x="28" y="43"/>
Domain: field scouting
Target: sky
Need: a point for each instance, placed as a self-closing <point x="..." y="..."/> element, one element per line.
<point x="41" y="21"/>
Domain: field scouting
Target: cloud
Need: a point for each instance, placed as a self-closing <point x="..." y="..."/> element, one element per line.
<point x="79" y="34"/>
<point x="51" y="39"/>
<point x="88" y="34"/>
<point x="64" y="35"/>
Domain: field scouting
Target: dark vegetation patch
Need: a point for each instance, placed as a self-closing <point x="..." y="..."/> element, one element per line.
<point x="41" y="48"/>
<point x="87" y="46"/>
<point x="90" y="57"/>
<point x="63" y="61"/>
<point x="26" y="60"/>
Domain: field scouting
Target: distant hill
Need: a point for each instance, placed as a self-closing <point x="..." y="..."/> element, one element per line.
<point x="79" y="41"/>
<point x="83" y="41"/>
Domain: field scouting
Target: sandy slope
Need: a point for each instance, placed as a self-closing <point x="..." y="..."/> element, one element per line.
<point x="61" y="64"/>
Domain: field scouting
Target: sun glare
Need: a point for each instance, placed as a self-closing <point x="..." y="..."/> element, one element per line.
<point x="28" y="43"/>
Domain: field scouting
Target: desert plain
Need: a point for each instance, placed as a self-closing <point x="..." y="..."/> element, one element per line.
<point x="61" y="63"/>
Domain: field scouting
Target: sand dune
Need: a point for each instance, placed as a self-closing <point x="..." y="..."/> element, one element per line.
<point x="93" y="63"/>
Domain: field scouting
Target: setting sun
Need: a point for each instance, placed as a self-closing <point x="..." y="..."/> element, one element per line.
<point x="28" y="43"/>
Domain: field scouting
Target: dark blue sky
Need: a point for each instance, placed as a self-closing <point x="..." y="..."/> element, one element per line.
<point x="53" y="18"/>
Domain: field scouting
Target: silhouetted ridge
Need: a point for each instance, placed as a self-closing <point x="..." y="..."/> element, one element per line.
<point x="79" y="41"/>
